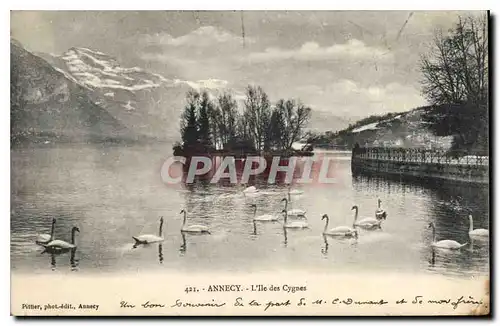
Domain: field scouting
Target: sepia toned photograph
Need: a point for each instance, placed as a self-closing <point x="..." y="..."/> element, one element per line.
<point x="256" y="163"/>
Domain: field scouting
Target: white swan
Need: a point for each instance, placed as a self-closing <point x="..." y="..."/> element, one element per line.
<point x="366" y="223"/>
<point x="250" y="190"/>
<point x="294" y="191"/>
<point x="192" y="228"/>
<point x="60" y="245"/>
<point x="293" y="211"/>
<point x="444" y="244"/>
<point x="46" y="238"/>
<point x="150" y="238"/>
<point x="342" y="231"/>
<point x="477" y="232"/>
<point x="380" y="213"/>
<point x="294" y="224"/>
<point x="263" y="218"/>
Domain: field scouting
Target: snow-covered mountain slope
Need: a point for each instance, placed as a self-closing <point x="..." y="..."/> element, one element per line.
<point x="49" y="105"/>
<point x="405" y="129"/>
<point x="145" y="102"/>
<point x="97" y="70"/>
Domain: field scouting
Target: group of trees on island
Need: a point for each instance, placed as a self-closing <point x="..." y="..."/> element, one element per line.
<point x="255" y="126"/>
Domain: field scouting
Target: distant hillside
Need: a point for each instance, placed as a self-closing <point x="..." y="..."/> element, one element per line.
<point x="47" y="106"/>
<point x="322" y="121"/>
<point x="409" y="129"/>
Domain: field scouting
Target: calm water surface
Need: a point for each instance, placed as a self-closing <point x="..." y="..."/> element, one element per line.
<point x="114" y="193"/>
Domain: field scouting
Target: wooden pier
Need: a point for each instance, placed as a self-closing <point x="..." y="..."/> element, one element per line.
<point x="421" y="163"/>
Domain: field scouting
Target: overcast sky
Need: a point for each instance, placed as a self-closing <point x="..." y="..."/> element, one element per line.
<point x="349" y="63"/>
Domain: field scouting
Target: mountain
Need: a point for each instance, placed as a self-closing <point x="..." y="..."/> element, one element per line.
<point x="409" y="129"/>
<point x="145" y="102"/>
<point x="48" y="105"/>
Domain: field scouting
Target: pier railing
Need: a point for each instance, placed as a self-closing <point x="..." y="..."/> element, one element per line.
<point x="415" y="155"/>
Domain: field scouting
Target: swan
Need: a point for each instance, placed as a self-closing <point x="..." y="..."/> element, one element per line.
<point x="380" y="213"/>
<point x="294" y="224"/>
<point x="46" y="238"/>
<point x="444" y="244"/>
<point x="366" y="223"/>
<point x="250" y="189"/>
<point x="60" y="245"/>
<point x="343" y="231"/>
<point x="150" y="238"/>
<point x="477" y="232"/>
<point x="294" y="191"/>
<point x="263" y="218"/>
<point x="192" y="228"/>
<point x="293" y="211"/>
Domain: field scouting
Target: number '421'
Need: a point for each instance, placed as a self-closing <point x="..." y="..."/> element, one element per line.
<point x="191" y="289"/>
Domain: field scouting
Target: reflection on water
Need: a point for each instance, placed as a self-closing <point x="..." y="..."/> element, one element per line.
<point x="324" y="250"/>
<point x="114" y="193"/>
<point x="160" y="253"/>
<point x="183" y="247"/>
<point x="148" y="246"/>
<point x="54" y="256"/>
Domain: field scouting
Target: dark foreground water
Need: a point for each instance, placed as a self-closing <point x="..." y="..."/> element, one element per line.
<point x="114" y="193"/>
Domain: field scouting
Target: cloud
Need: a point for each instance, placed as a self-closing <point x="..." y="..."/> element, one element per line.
<point x="354" y="50"/>
<point x="208" y="84"/>
<point x="204" y="53"/>
<point x="350" y="98"/>
<point x="204" y="36"/>
<point x="166" y="58"/>
<point x="350" y="78"/>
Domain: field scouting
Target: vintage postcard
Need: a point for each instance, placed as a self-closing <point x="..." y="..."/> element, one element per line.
<point x="249" y="163"/>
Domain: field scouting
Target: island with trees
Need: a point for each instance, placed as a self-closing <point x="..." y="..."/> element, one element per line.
<point x="221" y="126"/>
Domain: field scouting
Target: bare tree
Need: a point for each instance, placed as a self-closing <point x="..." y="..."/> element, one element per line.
<point x="295" y="118"/>
<point x="228" y="112"/>
<point x="258" y="114"/>
<point x="214" y="116"/>
<point x="456" y="68"/>
<point x="455" y="81"/>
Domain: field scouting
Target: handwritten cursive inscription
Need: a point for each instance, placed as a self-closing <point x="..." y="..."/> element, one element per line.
<point x="125" y="304"/>
<point x="187" y="304"/>
<point x="149" y="304"/>
<point x="301" y="302"/>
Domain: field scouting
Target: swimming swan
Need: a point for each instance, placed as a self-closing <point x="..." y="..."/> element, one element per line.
<point x="366" y="223"/>
<point x="444" y="244"/>
<point x="192" y="228"/>
<point x="150" y="238"/>
<point x="60" y="245"/>
<point x="293" y="211"/>
<point x="477" y="232"/>
<point x="294" y="191"/>
<point x="294" y="224"/>
<point x="380" y="213"/>
<point x="342" y="231"/>
<point x="250" y="190"/>
<point x="263" y="218"/>
<point x="46" y="238"/>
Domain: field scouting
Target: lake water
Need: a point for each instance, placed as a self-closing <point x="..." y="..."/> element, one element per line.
<point x="114" y="193"/>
